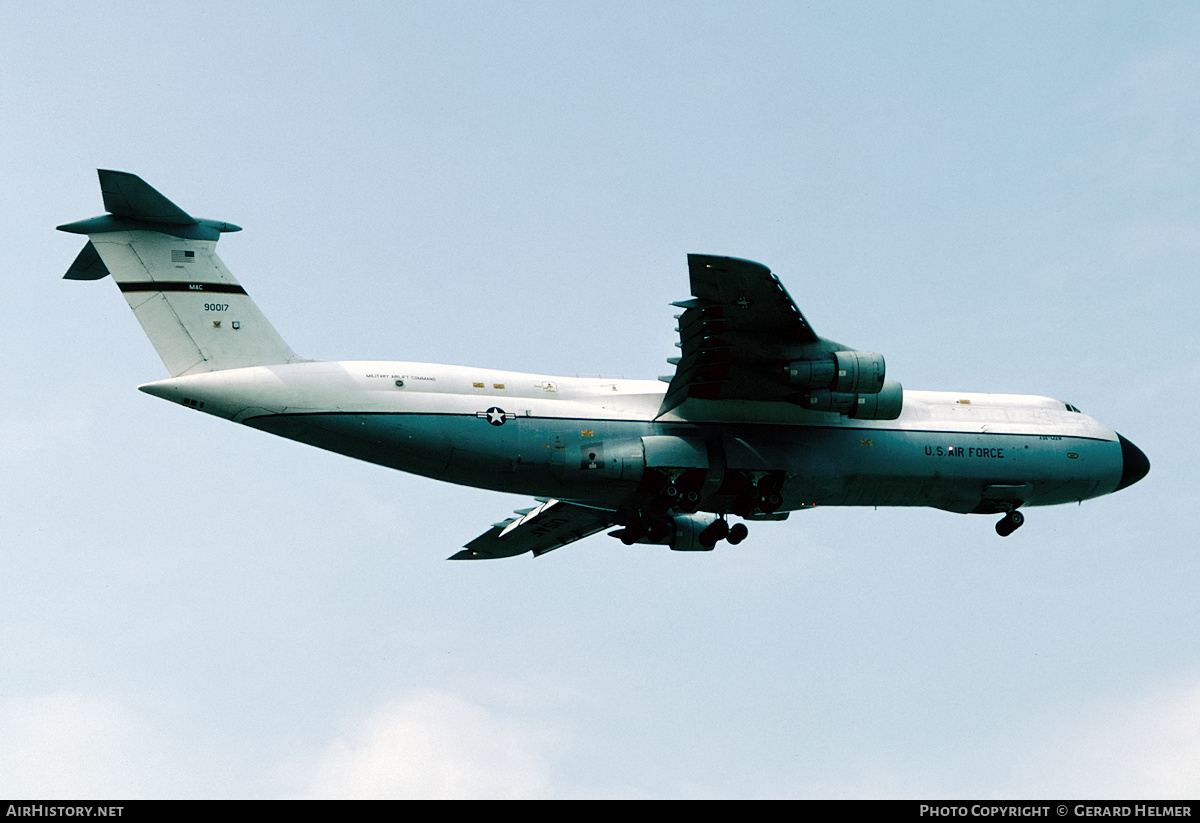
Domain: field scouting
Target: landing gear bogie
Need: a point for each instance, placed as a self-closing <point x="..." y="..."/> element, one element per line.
<point x="714" y="534"/>
<point x="721" y="530"/>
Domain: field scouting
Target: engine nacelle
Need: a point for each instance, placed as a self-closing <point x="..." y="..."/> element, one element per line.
<point x="680" y="531"/>
<point x="844" y="372"/>
<point x="811" y="374"/>
<point x="685" y="532"/>
<point x="885" y="404"/>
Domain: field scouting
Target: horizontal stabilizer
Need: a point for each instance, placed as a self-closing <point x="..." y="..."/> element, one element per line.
<point x="87" y="266"/>
<point x="135" y="205"/>
<point x="127" y="195"/>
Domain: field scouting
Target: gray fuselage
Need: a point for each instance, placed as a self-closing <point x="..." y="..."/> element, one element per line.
<point x="597" y="442"/>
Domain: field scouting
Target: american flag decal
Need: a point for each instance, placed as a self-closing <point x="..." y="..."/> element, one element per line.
<point x="179" y="256"/>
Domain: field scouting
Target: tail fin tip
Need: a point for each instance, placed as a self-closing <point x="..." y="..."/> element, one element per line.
<point x="196" y="314"/>
<point x="127" y="195"/>
<point x="132" y="203"/>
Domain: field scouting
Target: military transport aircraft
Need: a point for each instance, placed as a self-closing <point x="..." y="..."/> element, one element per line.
<point x="762" y="416"/>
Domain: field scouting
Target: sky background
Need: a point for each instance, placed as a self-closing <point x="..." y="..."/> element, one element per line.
<point x="997" y="196"/>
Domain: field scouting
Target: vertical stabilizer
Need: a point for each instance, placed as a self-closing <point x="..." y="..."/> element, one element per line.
<point x="196" y="314"/>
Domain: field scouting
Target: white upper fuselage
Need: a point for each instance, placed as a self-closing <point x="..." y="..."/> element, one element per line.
<point x="531" y="434"/>
<point x="381" y="387"/>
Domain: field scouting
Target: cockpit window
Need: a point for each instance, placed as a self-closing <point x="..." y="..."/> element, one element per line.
<point x="1071" y="408"/>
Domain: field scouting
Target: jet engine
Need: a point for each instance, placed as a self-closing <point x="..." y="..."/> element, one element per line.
<point x="885" y="404"/>
<point x="849" y="372"/>
<point x="847" y="382"/>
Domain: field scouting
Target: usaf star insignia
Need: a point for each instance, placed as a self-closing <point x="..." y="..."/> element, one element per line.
<point x="495" y="415"/>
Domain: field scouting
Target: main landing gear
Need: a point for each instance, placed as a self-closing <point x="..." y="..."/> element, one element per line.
<point x="1010" y="523"/>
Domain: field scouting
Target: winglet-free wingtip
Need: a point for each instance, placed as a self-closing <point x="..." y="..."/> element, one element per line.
<point x="724" y="263"/>
<point x="472" y="554"/>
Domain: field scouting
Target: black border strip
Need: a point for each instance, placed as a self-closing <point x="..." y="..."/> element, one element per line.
<point x="181" y="285"/>
<point x="598" y="420"/>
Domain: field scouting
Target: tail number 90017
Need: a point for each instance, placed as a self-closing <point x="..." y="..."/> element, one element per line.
<point x="216" y="306"/>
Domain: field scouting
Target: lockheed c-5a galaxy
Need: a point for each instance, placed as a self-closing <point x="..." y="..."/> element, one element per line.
<point x="761" y="417"/>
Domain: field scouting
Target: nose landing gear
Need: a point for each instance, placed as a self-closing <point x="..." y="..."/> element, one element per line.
<point x="1010" y="523"/>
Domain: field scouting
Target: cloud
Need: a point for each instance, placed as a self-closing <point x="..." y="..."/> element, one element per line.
<point x="1145" y="747"/>
<point x="428" y="744"/>
<point x="1149" y="748"/>
<point x="68" y="745"/>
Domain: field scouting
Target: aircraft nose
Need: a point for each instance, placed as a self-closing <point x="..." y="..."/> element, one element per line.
<point x="1135" y="464"/>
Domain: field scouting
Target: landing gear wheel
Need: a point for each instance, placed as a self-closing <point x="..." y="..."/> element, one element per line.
<point x="714" y="534"/>
<point x="737" y="533"/>
<point x="1010" y="523"/>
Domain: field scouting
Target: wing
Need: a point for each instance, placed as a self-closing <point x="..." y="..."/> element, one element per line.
<point x="743" y="338"/>
<point x="736" y="333"/>
<point x="541" y="529"/>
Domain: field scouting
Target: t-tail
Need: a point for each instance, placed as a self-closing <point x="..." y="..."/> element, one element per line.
<point x="196" y="314"/>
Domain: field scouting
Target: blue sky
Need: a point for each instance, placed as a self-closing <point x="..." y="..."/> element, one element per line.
<point x="998" y="197"/>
